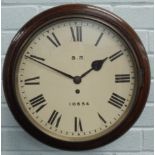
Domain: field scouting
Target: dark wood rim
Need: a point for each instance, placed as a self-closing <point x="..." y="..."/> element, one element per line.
<point x="65" y="11"/>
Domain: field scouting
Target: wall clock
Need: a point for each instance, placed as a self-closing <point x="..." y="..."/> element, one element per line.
<point x="76" y="77"/>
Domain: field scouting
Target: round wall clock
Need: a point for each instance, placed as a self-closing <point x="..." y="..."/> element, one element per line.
<point x="76" y="77"/>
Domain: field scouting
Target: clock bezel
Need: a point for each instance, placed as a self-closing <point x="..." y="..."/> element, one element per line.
<point x="63" y="12"/>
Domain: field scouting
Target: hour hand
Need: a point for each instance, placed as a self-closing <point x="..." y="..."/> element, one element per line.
<point x="95" y="65"/>
<point x="57" y="70"/>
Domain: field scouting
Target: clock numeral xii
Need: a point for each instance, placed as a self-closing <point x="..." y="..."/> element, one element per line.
<point x="76" y="33"/>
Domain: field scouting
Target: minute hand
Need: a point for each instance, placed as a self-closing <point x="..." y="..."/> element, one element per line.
<point x="61" y="72"/>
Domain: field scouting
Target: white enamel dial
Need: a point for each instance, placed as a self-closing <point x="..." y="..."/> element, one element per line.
<point x="56" y="92"/>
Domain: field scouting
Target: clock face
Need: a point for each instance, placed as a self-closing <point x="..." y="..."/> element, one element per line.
<point x="76" y="79"/>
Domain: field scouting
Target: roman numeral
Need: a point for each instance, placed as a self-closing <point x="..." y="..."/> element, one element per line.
<point x="39" y="102"/>
<point x="116" y="55"/>
<point x="122" y="78"/>
<point x="116" y="100"/>
<point x="77" y="124"/>
<point x="77" y="33"/>
<point x="101" y="118"/>
<point x="55" y="118"/>
<point x="54" y="40"/>
<point x="36" y="57"/>
<point x="99" y="38"/>
<point x="32" y="81"/>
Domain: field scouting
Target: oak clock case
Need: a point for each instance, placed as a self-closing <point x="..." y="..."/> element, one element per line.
<point x="76" y="77"/>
